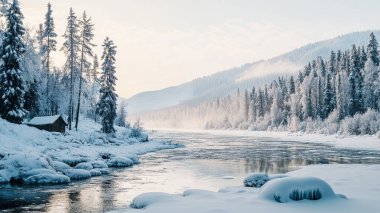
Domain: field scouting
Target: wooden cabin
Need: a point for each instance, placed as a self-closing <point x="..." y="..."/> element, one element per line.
<point x="55" y="123"/>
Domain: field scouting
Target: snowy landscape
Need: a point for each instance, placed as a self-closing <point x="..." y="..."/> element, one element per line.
<point x="126" y="109"/>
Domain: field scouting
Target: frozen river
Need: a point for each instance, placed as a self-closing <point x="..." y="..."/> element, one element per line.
<point x="207" y="161"/>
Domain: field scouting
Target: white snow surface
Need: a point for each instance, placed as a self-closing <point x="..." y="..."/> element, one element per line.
<point x="41" y="157"/>
<point x="358" y="185"/>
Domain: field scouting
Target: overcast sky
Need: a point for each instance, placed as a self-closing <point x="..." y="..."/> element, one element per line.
<point x="163" y="43"/>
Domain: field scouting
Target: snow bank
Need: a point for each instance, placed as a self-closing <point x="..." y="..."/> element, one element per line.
<point x="75" y="154"/>
<point x="287" y="189"/>
<point x="349" y="179"/>
<point x="146" y="199"/>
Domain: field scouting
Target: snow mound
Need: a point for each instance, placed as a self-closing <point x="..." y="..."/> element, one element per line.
<point x="256" y="180"/>
<point x="47" y="178"/>
<point x="199" y="192"/>
<point x="104" y="171"/>
<point x="288" y="189"/>
<point x="146" y="199"/>
<point x="95" y="172"/>
<point x="85" y="166"/>
<point x="98" y="164"/>
<point x="38" y="171"/>
<point x="77" y="174"/>
<point x="61" y="167"/>
<point x="120" y="162"/>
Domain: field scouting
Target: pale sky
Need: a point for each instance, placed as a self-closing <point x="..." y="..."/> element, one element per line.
<point x="163" y="43"/>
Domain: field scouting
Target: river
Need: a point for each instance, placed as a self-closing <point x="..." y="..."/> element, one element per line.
<point x="207" y="161"/>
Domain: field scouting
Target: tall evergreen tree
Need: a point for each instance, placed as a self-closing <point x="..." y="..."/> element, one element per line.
<point x="107" y="103"/>
<point x="49" y="44"/>
<point x="372" y="49"/>
<point x="11" y="81"/>
<point x="32" y="104"/>
<point x="71" y="49"/>
<point x="86" y="45"/>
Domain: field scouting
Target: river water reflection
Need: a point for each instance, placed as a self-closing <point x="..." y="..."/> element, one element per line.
<point x="207" y="161"/>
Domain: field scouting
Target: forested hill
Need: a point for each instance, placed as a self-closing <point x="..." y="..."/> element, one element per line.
<point x="243" y="77"/>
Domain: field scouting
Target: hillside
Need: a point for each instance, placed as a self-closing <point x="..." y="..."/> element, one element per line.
<point x="245" y="76"/>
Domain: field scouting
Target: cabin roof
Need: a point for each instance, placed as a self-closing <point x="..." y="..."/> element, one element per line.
<point x="44" y="120"/>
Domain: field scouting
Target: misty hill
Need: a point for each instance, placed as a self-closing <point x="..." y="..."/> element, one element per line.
<point x="257" y="73"/>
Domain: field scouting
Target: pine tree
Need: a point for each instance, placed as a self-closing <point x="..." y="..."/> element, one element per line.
<point x="107" y="104"/>
<point x="11" y="81"/>
<point x="49" y="44"/>
<point x="86" y="37"/>
<point x="329" y="99"/>
<point x="71" y="49"/>
<point x="32" y="104"/>
<point x="121" y="115"/>
<point x="372" y="49"/>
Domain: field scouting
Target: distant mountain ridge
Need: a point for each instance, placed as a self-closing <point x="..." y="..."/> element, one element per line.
<point x="243" y="77"/>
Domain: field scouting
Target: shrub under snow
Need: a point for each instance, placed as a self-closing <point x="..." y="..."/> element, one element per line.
<point x="256" y="180"/>
<point x="288" y="189"/>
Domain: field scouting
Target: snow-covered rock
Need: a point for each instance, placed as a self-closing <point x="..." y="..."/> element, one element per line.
<point x="104" y="171"/>
<point x="85" y="166"/>
<point x="47" y="178"/>
<point x="77" y="174"/>
<point x="98" y="164"/>
<point x="287" y="189"/>
<point x="61" y="167"/>
<point x="120" y="162"/>
<point x="95" y="172"/>
<point x="146" y="199"/>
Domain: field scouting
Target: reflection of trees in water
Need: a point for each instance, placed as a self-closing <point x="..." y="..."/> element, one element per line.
<point x="17" y="198"/>
<point x="108" y="194"/>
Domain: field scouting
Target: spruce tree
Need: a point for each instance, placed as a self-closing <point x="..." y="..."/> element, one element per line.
<point x="49" y="44"/>
<point x="86" y="45"/>
<point x="32" y="104"/>
<point x="11" y="81"/>
<point x="71" y="49"/>
<point x="372" y="50"/>
<point x="106" y="106"/>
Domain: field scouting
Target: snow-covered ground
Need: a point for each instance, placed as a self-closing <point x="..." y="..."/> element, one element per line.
<point x="355" y="189"/>
<point x="41" y="157"/>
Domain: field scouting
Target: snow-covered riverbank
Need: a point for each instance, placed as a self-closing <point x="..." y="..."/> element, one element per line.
<point x="367" y="142"/>
<point x="36" y="156"/>
<point x="359" y="183"/>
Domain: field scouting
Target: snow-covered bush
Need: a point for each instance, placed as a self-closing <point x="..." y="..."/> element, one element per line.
<point x="256" y="180"/>
<point x="361" y="124"/>
<point x="296" y="188"/>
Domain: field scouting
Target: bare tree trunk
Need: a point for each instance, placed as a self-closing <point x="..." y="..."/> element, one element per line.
<point x="80" y="84"/>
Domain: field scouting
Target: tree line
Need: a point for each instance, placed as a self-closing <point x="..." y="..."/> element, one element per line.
<point x="30" y="84"/>
<point x="340" y="94"/>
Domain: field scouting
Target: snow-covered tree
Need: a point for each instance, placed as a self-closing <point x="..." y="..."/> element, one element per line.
<point x="86" y="45"/>
<point x="48" y="45"/>
<point x="106" y="106"/>
<point x="71" y="49"/>
<point x="11" y="81"/>
<point x="121" y="115"/>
